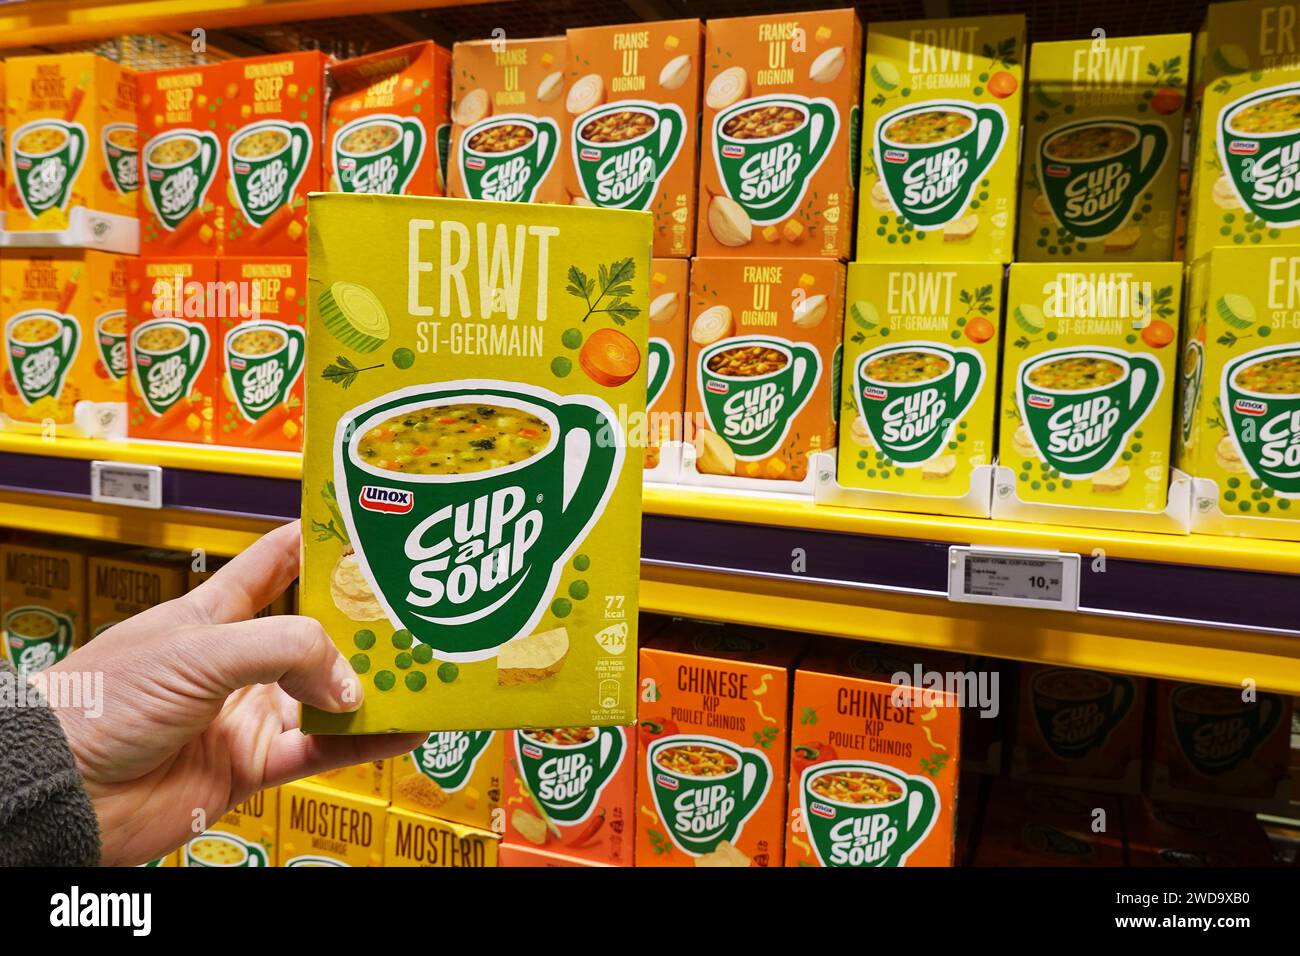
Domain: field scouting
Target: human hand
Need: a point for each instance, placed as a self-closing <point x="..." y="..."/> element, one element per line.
<point x="200" y="706"/>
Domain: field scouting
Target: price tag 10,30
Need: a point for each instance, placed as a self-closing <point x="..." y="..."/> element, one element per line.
<point x="1018" y="577"/>
<point x="122" y="483"/>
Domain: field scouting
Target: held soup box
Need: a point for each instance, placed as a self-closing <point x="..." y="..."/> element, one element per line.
<point x="472" y="512"/>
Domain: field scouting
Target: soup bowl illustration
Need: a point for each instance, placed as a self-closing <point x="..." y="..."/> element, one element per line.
<point x="1076" y="710"/>
<point x="464" y="547"/>
<point x="311" y="860"/>
<point x="121" y="142"/>
<point x="932" y="155"/>
<point x="566" y="769"/>
<point x="267" y="160"/>
<point x="1216" y="730"/>
<point x="223" y="851"/>
<point x="621" y="151"/>
<point x="378" y="153"/>
<point x="913" y="394"/>
<point x="767" y="149"/>
<point x="36" y="637"/>
<point x="705" y="788"/>
<point x="110" y="337"/>
<point x="168" y="355"/>
<point x="860" y="813"/>
<point x="41" y="346"/>
<point x="507" y="156"/>
<point x="264" y="360"/>
<point x="47" y="157"/>
<point x="1257" y="135"/>
<point x="179" y="166"/>
<point x="1094" y="170"/>
<point x="448" y="758"/>
<point x="1261" y="398"/>
<point x="1081" y="404"/>
<point x="753" y="386"/>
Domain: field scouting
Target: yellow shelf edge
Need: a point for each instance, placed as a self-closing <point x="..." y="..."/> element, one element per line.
<point x="229" y="461"/>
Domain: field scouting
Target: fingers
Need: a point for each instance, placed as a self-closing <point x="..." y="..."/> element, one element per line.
<point x="253" y="579"/>
<point x="294" y="754"/>
<point x="294" y="652"/>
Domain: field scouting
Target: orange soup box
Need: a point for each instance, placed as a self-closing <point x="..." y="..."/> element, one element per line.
<point x="569" y="791"/>
<point x="780" y="129"/>
<point x="1035" y="826"/>
<point x="72" y="150"/>
<point x="454" y="775"/>
<point x="320" y="826"/>
<point x="416" y="840"/>
<point x="122" y="585"/>
<point x="388" y="128"/>
<point x="271" y="123"/>
<point x="518" y="856"/>
<point x="711" y="749"/>
<point x="762" y="383"/>
<point x="244" y="836"/>
<point x="632" y="98"/>
<point x="508" y="120"/>
<point x="183" y="194"/>
<point x="175" y="369"/>
<point x="670" y="293"/>
<point x="64" y="320"/>
<point x="262" y="350"/>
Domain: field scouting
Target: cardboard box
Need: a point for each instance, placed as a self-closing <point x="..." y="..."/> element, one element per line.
<point x="122" y="585"/>
<point x="1040" y="826"/>
<point x="919" y="405"/>
<point x="416" y="840"/>
<point x="263" y="353"/>
<point x="388" y="129"/>
<point x="175" y="363"/>
<point x="507" y="120"/>
<point x="940" y="140"/>
<point x="246" y="835"/>
<point x="670" y="294"/>
<point x="1174" y="834"/>
<point x="518" y="856"/>
<point x="454" y="775"/>
<point x="632" y="97"/>
<point x="64" y="321"/>
<point x="1080" y="728"/>
<point x="42" y="601"/>
<point x="456" y="613"/>
<point x="1103" y="138"/>
<point x="320" y="826"/>
<point x="374" y="778"/>
<point x="778" y="160"/>
<point x="183" y="164"/>
<point x="712" y="744"/>
<point x="762" y="361"/>
<point x="569" y="791"/>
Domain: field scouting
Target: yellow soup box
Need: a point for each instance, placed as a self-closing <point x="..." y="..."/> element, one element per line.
<point x="1103" y="137"/>
<point x="940" y="140"/>
<point x="244" y="836"/>
<point x="122" y="585"/>
<point x="417" y="840"/>
<point x="320" y="826"/>
<point x="42" y="602"/>
<point x="454" y="775"/>
<point x="374" y="778"/>
<point x="1088" y="386"/>
<point x="472" y="508"/>
<point x="1239" y="431"/>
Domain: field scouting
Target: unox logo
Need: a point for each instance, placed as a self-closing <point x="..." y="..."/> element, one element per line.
<point x="823" y="811"/>
<point x="475" y="162"/>
<point x="733" y="152"/>
<point x="1249" y="407"/>
<point x="532" y="750"/>
<point x="385" y="500"/>
<point x="1240" y="148"/>
<point x="717" y="388"/>
<point x="1060" y="172"/>
<point x="1041" y="401"/>
<point x="591" y="155"/>
<point x="895" y="156"/>
<point x="875" y="393"/>
<point x="665" y="781"/>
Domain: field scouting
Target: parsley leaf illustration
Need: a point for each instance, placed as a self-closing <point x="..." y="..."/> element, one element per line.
<point x="612" y="282"/>
<point x="344" y="372"/>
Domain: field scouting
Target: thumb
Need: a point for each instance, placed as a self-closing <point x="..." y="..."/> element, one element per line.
<point x="294" y="652"/>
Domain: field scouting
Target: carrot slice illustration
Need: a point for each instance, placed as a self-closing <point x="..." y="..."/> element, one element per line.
<point x="609" y="357"/>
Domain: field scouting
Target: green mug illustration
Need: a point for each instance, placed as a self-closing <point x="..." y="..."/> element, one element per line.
<point x="1261" y="394"/>
<point x="179" y="166"/>
<point x="448" y="758"/>
<point x="567" y="768"/>
<point x="36" y="637"/>
<point x="122" y="156"/>
<point x="751" y="399"/>
<point x="837" y="376"/>
<point x="1216" y="730"/>
<point x="932" y="155"/>
<point x="846" y="830"/>
<point x="442" y="145"/>
<point x="168" y="355"/>
<point x="506" y="157"/>
<point x="1092" y="171"/>
<point x="378" y="153"/>
<point x="312" y="860"/>
<point x="622" y="150"/>
<point x="913" y="394"/>
<point x="462" y="580"/>
<point x="1258" y="144"/>
<point x="1193" y="373"/>
<point x="267" y="160"/>
<point x="110" y="336"/>
<point x="1076" y="710"/>
<point x="767" y="149"/>
<point x="1081" y="404"/>
<point x="224" y="851"/>
<point x="659" y="368"/>
<point x="263" y="360"/>
<point x="41" y="346"/>
<point x="47" y="157"/>
<point x="705" y="788"/>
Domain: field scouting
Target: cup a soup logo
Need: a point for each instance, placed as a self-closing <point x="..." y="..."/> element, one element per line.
<point x="1216" y="730"/>
<point x="47" y="155"/>
<point x="448" y="758"/>
<point x="567" y="768"/>
<point x="505" y="158"/>
<point x="705" y="788"/>
<point x="1261" y="392"/>
<point x="41" y="346"/>
<point x="179" y="166"/>
<point x="267" y="161"/>
<point x="859" y="813"/>
<point x="1077" y="710"/>
<point x="263" y="359"/>
<point x="752" y="388"/>
<point x="168" y="355"/>
<point x="623" y="150"/>
<point x="465" y="548"/>
<point x="378" y="153"/>
<point x="1259" y="149"/>
<point x="767" y="149"/>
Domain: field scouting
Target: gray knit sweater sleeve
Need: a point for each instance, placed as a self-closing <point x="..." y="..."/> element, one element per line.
<point x="46" y="818"/>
